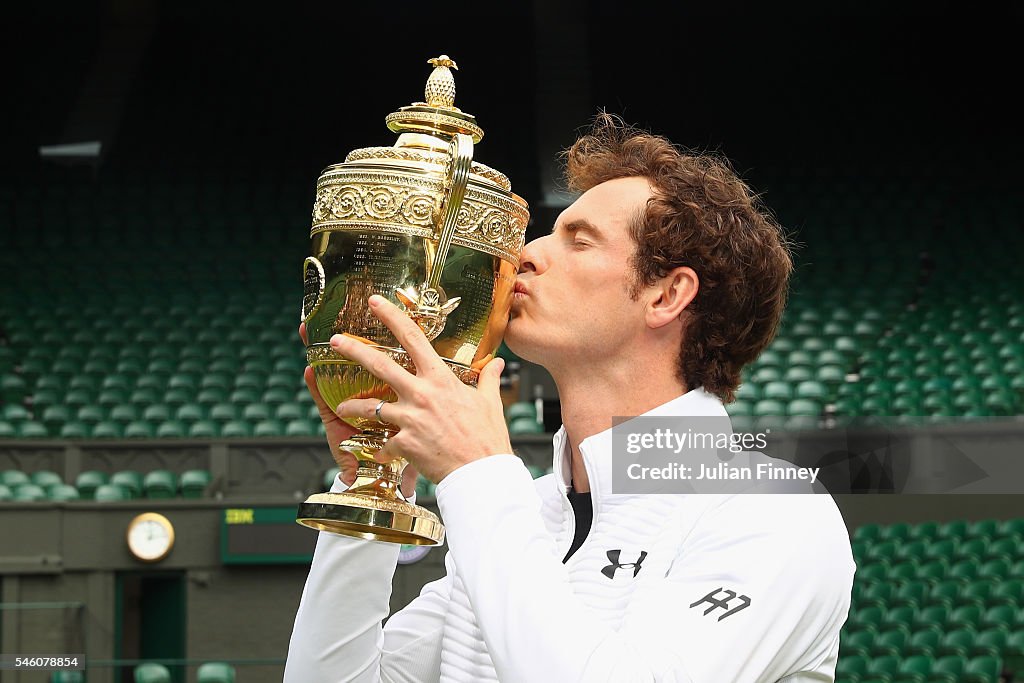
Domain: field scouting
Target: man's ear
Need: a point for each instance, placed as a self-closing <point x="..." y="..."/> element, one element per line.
<point x="671" y="295"/>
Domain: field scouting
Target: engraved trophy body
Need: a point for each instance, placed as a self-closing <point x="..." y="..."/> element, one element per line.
<point x="439" y="234"/>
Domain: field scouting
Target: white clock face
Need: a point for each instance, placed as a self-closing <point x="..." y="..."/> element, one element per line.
<point x="150" y="538"/>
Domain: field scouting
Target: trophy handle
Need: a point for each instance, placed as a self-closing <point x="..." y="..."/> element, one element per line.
<point x="461" y="150"/>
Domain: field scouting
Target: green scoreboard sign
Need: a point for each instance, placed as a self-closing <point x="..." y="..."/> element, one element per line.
<point x="264" y="535"/>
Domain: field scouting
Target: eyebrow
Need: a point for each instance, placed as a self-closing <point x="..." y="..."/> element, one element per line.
<point x="580" y="225"/>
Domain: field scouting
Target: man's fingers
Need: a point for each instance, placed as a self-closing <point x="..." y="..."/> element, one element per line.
<point x="489" y="381"/>
<point x="407" y="332"/>
<point x="376" y="362"/>
<point x="302" y="334"/>
<point x="366" y="408"/>
<point x="310" y="379"/>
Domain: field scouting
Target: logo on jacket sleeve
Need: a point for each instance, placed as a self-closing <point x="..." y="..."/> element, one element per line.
<point x="613" y="557"/>
<point x="723" y="603"/>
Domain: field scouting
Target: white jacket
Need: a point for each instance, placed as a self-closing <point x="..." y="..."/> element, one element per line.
<point x="699" y="588"/>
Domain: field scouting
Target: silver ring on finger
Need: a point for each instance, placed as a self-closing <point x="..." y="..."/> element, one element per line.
<point x="376" y="411"/>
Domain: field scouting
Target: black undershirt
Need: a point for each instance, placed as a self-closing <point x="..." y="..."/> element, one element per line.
<point x="583" y="509"/>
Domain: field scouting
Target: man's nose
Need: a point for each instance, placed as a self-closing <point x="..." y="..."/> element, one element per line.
<point x="532" y="259"/>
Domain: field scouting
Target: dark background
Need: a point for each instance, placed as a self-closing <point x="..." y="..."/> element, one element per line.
<point x="280" y="92"/>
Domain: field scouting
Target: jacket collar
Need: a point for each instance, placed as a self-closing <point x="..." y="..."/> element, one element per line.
<point x="597" y="449"/>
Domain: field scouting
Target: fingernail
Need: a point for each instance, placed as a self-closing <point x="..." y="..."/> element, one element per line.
<point x="376" y="300"/>
<point x="336" y="340"/>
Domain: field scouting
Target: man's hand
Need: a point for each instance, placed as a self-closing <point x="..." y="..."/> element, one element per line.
<point x="338" y="430"/>
<point x="443" y="423"/>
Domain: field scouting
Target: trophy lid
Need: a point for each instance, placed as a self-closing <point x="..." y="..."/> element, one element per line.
<point x="438" y="115"/>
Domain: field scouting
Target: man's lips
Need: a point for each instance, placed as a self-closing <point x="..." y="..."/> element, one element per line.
<point x="520" y="289"/>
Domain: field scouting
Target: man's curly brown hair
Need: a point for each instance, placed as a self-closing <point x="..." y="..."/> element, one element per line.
<point x="702" y="215"/>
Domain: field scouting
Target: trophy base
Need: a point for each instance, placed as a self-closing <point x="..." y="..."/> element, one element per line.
<point x="371" y="518"/>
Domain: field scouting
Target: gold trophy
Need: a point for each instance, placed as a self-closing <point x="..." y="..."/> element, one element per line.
<point x="440" y="235"/>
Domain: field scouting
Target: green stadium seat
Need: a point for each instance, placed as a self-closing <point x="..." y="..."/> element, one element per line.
<point x="798" y="373"/>
<point x="912" y="593"/>
<point x="964" y="569"/>
<point x="905" y="571"/>
<point x="765" y="375"/>
<point x="225" y="412"/>
<point x="1010" y="592"/>
<point x="873" y="571"/>
<point x="300" y="427"/>
<point x="46" y="478"/>
<point x="256" y="412"/>
<point x="897" y="617"/>
<point x="289" y="410"/>
<point x="157" y="413"/>
<point x="983" y="528"/>
<point x="856" y="643"/>
<point x="931" y="615"/>
<point x="886" y="666"/>
<point x="957" y="641"/>
<point x="56" y="415"/>
<point x="998" y="569"/>
<point x="235" y="429"/>
<point x="911" y="549"/>
<point x="63" y="492"/>
<point x="924" y="641"/>
<point x="917" y="666"/>
<point x="1006" y="548"/>
<point x="87" y="482"/>
<point x="111" y="493"/>
<point x="203" y="429"/>
<point x="171" y="429"/>
<point x="194" y="483"/>
<point x="521" y="409"/>
<point x="877" y="593"/>
<point x="211" y="396"/>
<point x="124" y="413"/>
<point x="865" y="617"/>
<point x="964" y="616"/>
<point x="28" y="493"/>
<point x="984" y="669"/>
<point x="107" y="430"/>
<point x="32" y="430"/>
<point x="941" y="549"/>
<point x="974" y="593"/>
<point x="269" y="427"/>
<point x="525" y="425"/>
<point x="5" y="492"/>
<point x="176" y="398"/>
<point x="891" y="641"/>
<point x="14" y="478"/>
<point x="15" y="413"/>
<point x="851" y="667"/>
<point x="130" y="480"/>
<point x="7" y="430"/>
<point x="1000" y="616"/>
<point x="990" y="642"/>
<point x="139" y="429"/>
<point x="75" y="430"/>
<point x="947" y="669"/>
<point x="1012" y="527"/>
<point x="13" y="389"/>
<point x="215" y="672"/>
<point x="161" y="484"/>
<point x="70" y="676"/>
<point x="151" y="672"/>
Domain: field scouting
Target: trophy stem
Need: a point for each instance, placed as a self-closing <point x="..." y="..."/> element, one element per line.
<point x="374" y="507"/>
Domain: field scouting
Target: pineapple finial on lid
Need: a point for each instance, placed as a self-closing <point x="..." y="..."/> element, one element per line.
<point x="440" y="90"/>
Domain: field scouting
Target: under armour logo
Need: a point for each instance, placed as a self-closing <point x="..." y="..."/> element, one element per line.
<point x="723" y="604"/>
<point x="613" y="557"/>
